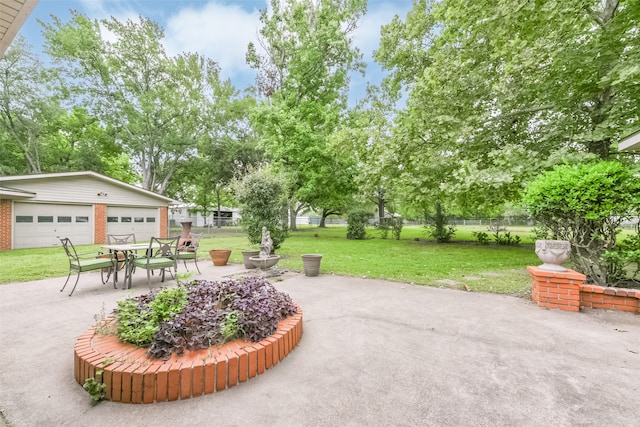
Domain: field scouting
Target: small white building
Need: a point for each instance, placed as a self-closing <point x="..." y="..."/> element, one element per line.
<point x="182" y="213"/>
<point x="38" y="210"/>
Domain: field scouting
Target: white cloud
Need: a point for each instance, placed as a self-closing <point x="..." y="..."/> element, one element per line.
<point x="217" y="31"/>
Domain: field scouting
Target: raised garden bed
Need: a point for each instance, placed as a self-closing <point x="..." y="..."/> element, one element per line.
<point x="187" y="341"/>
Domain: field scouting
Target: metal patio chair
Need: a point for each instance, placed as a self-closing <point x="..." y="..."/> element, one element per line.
<point x="189" y="250"/>
<point x="82" y="263"/>
<point x="160" y="255"/>
<point x="121" y="239"/>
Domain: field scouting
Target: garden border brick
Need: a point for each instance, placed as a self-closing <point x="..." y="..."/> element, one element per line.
<point x="567" y="291"/>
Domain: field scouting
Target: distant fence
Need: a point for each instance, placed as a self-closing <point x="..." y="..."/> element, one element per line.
<point x="231" y="225"/>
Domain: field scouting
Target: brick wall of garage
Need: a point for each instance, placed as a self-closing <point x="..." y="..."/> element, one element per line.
<point x="164" y="222"/>
<point x="5" y="224"/>
<point x="100" y="223"/>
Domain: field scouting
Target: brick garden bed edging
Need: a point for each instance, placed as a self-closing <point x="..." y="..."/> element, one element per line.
<point x="131" y="377"/>
<point x="567" y="291"/>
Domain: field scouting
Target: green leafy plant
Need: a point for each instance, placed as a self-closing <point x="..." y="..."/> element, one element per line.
<point x="396" y="227"/>
<point x="482" y="238"/>
<point x="506" y="239"/>
<point x="443" y="234"/>
<point x="139" y="319"/>
<point x="182" y="278"/>
<point x="231" y="327"/>
<point x="540" y="233"/>
<point x="623" y="261"/>
<point x="95" y="387"/>
<point x="102" y="327"/>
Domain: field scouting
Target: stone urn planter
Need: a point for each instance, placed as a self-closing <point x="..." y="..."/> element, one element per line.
<point x="311" y="264"/>
<point x="553" y="253"/>
<point x="248" y="264"/>
<point x="220" y="256"/>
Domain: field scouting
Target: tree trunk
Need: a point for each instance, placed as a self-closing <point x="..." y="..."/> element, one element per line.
<point x="219" y="207"/>
<point x="381" y="202"/>
<point x="292" y="217"/>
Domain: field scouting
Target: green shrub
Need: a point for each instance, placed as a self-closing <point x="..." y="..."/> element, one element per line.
<point x="261" y="197"/>
<point x="396" y="227"/>
<point x="585" y="204"/>
<point x="356" y="225"/>
<point x="383" y="227"/>
<point x="505" y="239"/>
<point x="623" y="261"/>
<point x="437" y="226"/>
<point x="482" y="238"/>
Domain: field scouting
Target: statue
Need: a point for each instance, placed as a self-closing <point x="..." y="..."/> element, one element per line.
<point x="267" y="244"/>
<point x="265" y="260"/>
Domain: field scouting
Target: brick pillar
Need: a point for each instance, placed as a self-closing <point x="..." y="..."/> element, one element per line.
<point x="164" y="222"/>
<point x="558" y="290"/>
<point x="100" y="224"/>
<point x="6" y="224"/>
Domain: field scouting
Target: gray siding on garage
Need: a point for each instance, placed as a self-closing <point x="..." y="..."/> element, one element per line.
<point x="86" y="189"/>
<point x="62" y="194"/>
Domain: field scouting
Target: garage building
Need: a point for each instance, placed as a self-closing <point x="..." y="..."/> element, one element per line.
<point x="38" y="210"/>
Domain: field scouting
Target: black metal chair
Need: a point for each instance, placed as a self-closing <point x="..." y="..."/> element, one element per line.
<point x="189" y="250"/>
<point x="160" y="255"/>
<point x="85" y="262"/>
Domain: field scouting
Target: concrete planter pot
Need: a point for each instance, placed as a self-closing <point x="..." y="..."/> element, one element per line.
<point x="245" y="258"/>
<point x="553" y="253"/>
<point x="220" y="256"/>
<point x="311" y="264"/>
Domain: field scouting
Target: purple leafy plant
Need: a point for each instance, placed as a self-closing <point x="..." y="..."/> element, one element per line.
<point x="253" y="304"/>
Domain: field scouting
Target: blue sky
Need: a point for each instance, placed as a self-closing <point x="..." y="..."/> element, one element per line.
<point x="218" y="29"/>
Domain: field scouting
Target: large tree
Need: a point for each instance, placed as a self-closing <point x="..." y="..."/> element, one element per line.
<point x="364" y="138"/>
<point x="227" y="151"/>
<point x="151" y="101"/>
<point x="38" y="135"/>
<point x="497" y="91"/>
<point x="30" y="113"/>
<point x="303" y="62"/>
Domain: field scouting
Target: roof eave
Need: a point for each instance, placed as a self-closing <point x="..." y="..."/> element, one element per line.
<point x="630" y="143"/>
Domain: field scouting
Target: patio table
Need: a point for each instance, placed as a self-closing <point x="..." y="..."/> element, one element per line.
<point x="126" y="249"/>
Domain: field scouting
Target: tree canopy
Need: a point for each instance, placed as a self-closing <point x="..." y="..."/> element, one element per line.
<point x="303" y="64"/>
<point x="498" y="91"/>
<point x="479" y="99"/>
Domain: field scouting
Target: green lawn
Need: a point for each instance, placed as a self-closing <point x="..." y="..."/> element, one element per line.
<point x="413" y="258"/>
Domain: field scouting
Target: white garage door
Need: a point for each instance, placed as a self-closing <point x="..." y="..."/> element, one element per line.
<point x="143" y="222"/>
<point x="39" y="225"/>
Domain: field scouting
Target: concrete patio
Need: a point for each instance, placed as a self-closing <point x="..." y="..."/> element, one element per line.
<point x="372" y="353"/>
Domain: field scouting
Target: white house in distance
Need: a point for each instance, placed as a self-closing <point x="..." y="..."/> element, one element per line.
<point x="38" y="210"/>
<point x="182" y="213"/>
